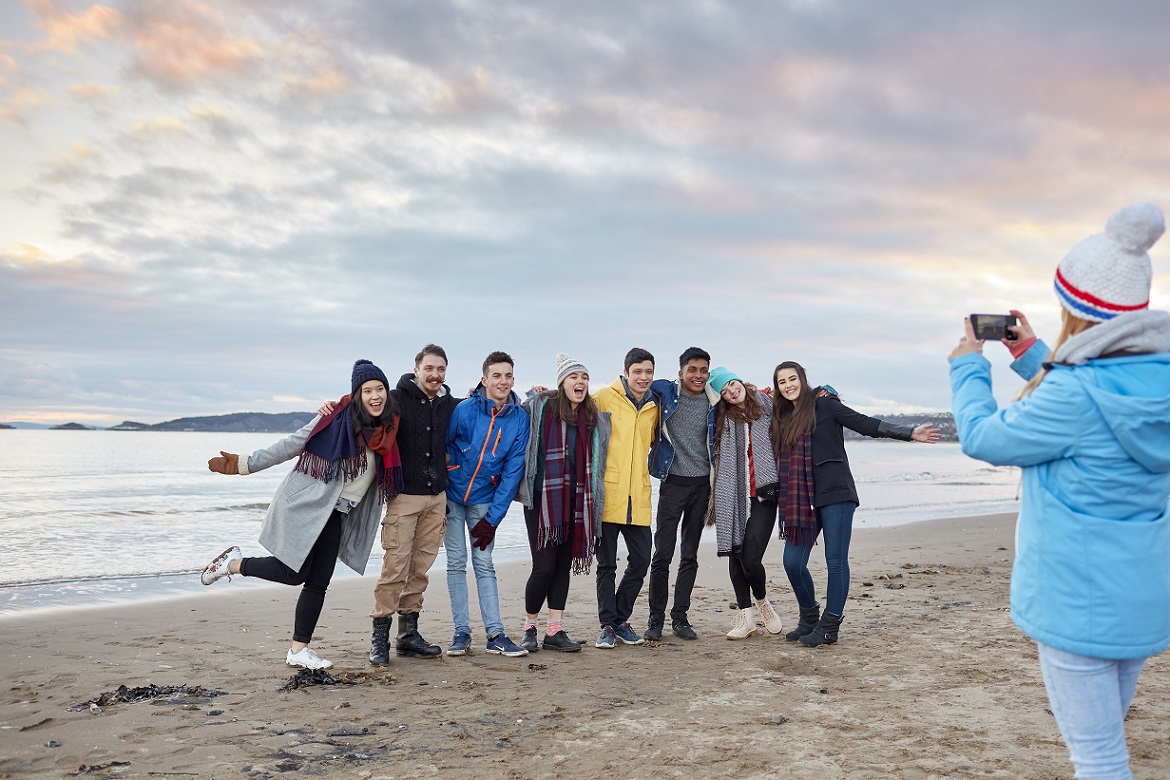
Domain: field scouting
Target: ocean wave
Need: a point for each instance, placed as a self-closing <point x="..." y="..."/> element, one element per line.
<point x="926" y="476"/>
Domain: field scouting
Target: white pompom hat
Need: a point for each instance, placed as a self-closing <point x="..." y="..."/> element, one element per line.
<point x="567" y="365"/>
<point x="1109" y="273"/>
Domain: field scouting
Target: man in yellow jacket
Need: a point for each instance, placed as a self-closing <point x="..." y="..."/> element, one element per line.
<point x="633" y="413"/>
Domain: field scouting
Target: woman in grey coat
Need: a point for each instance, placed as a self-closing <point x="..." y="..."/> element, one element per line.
<point x="328" y="507"/>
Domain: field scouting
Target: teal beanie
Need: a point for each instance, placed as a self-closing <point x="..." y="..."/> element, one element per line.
<point x="720" y="377"/>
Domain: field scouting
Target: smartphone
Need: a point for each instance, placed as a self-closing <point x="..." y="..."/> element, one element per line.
<point x="994" y="326"/>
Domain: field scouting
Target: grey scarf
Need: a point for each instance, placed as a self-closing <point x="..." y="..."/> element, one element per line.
<point x="730" y="501"/>
<point x="1137" y="333"/>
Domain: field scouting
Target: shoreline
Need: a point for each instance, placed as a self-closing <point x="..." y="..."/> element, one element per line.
<point x="930" y="679"/>
<point x="20" y="599"/>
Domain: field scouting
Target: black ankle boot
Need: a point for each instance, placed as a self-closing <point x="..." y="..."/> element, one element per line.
<point x="410" y="643"/>
<point x="654" y="628"/>
<point x="825" y="632"/>
<point x="380" y="642"/>
<point x="808" y="621"/>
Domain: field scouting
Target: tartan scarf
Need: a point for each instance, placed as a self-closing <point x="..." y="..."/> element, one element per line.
<point x="798" y="518"/>
<point x="334" y="448"/>
<point x="567" y="514"/>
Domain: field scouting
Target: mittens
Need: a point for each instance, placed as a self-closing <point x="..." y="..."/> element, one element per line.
<point x="227" y="463"/>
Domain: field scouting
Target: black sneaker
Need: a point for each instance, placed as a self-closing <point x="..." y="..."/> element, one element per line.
<point x="560" y="642"/>
<point x="683" y="630"/>
<point x="529" y="640"/>
<point x="653" y="630"/>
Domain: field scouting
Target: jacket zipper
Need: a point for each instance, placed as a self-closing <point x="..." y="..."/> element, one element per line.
<point x="486" y="439"/>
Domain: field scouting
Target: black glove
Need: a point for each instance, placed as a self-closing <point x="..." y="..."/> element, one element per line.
<point x="483" y="534"/>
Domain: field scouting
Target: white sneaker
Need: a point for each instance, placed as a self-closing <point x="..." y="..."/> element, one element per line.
<point x="772" y="621"/>
<point x="222" y="566"/>
<point x="307" y="658"/>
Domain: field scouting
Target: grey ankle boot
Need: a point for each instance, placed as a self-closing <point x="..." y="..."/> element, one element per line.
<point x="380" y="642"/>
<point x="825" y="632"/>
<point x="808" y="621"/>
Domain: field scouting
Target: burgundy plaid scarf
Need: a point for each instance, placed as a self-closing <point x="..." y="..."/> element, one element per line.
<point x="563" y="513"/>
<point x="798" y="519"/>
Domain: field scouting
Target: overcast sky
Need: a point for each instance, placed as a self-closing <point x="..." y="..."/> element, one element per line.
<point x="211" y="206"/>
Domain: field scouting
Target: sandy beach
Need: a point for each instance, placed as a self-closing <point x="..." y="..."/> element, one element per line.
<point x="929" y="680"/>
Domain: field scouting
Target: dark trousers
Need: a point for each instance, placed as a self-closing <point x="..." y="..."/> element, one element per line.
<point x="615" y="606"/>
<point x="747" y="571"/>
<point x="315" y="574"/>
<point x="551" y="567"/>
<point x="679" y="503"/>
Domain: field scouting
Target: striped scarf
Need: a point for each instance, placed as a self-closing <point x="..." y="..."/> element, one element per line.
<point x="736" y="480"/>
<point x="798" y="518"/>
<point x="565" y="513"/>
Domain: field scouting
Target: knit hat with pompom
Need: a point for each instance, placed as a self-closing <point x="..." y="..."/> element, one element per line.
<point x="1109" y="273"/>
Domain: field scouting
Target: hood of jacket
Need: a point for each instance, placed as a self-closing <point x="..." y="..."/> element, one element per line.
<point x="486" y="404"/>
<point x="1133" y="396"/>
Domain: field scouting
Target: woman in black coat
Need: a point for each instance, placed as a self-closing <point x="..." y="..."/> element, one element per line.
<point x="817" y="490"/>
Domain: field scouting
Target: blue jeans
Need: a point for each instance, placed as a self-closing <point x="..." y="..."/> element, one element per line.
<point x="835" y="523"/>
<point x="1090" y="697"/>
<point x="461" y="518"/>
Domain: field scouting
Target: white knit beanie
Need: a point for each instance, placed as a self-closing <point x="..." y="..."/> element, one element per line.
<point x="567" y="365"/>
<point x="1109" y="273"/>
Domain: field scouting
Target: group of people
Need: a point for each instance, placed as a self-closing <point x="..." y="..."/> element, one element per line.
<point x="1091" y="430"/>
<point x="726" y="454"/>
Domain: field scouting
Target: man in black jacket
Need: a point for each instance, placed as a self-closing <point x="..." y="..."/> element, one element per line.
<point x="412" y="529"/>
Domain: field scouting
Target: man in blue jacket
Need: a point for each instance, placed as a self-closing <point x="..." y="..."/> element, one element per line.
<point x="681" y="458"/>
<point x="486" y="440"/>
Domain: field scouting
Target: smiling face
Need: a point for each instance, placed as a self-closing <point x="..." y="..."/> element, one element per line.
<point x="373" y="396"/>
<point x="430" y="373"/>
<point x="693" y="377"/>
<point x="734" y="392"/>
<point x="788" y="383"/>
<point x="575" y="387"/>
<point x="639" y="376"/>
<point x="497" y="382"/>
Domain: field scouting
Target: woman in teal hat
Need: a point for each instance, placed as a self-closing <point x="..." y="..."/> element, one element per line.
<point x="743" y="497"/>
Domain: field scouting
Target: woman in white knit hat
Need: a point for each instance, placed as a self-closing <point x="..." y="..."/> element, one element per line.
<point x="1091" y="579"/>
<point x="563" y="493"/>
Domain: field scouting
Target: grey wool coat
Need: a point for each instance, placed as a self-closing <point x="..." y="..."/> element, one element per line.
<point x="302" y="505"/>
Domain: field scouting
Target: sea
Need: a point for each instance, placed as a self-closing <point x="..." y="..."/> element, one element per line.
<point x="99" y="517"/>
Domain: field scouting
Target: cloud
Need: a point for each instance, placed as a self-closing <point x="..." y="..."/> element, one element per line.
<point x="92" y="91"/>
<point x="182" y="42"/>
<point x="63" y="31"/>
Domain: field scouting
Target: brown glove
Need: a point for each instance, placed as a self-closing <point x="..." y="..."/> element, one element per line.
<point x="226" y="464"/>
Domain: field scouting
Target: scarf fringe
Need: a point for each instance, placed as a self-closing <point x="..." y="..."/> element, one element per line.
<point x="326" y="471"/>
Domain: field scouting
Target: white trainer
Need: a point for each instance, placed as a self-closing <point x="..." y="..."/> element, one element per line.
<point x="222" y="566"/>
<point x="306" y="658"/>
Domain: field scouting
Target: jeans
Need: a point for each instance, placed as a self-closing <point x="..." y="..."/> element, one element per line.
<point x="461" y="518"/>
<point x="615" y="606"/>
<point x="678" y="504"/>
<point x="748" y="577"/>
<point x="835" y="522"/>
<point x="315" y="574"/>
<point x="1090" y="697"/>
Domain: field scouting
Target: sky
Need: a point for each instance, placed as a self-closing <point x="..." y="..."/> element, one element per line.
<point x="211" y="206"/>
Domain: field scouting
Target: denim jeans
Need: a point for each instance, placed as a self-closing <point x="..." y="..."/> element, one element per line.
<point x="1089" y="698"/>
<point x="835" y="523"/>
<point x="461" y="518"/>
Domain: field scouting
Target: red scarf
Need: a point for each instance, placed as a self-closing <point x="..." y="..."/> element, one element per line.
<point x="335" y="448"/>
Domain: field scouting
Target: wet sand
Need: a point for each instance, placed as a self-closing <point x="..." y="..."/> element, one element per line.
<point x="930" y="679"/>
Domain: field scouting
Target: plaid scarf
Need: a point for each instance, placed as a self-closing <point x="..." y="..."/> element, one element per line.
<point x="564" y="513"/>
<point x="334" y="448"/>
<point x="798" y="519"/>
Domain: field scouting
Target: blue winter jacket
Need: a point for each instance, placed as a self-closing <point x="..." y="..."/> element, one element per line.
<point x="485" y="452"/>
<point x="1092" y="568"/>
<point x="662" y="449"/>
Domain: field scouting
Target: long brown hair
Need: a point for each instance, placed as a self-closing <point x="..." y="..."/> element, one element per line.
<point x="1070" y="325"/>
<point x="791" y="420"/>
<point x="562" y="407"/>
<point x="751" y="410"/>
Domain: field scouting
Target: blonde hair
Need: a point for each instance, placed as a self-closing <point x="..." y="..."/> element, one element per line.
<point x="1070" y="325"/>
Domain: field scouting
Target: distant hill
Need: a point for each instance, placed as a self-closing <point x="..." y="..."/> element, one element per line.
<point x="239" y="422"/>
<point x="72" y="427"/>
<point x="944" y="420"/>
<point x="4" y="427"/>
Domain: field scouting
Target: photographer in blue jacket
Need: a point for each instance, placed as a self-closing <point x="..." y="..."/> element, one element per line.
<point x="1091" y="431"/>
